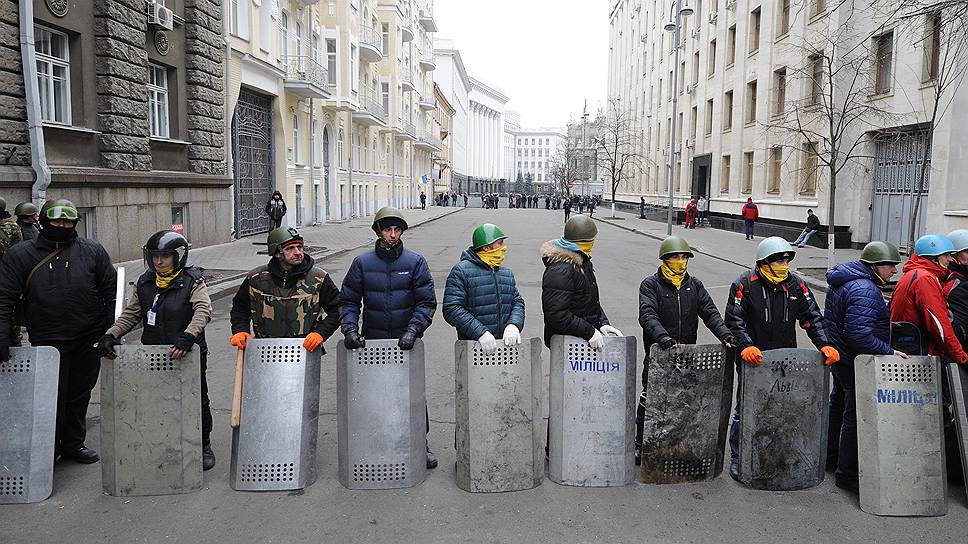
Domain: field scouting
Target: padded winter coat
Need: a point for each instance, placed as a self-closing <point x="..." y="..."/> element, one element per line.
<point x="569" y="294"/>
<point x="918" y="299"/>
<point x="395" y="290"/>
<point x="855" y="314"/>
<point x="956" y="294"/>
<point x="666" y="312"/>
<point x="479" y="299"/>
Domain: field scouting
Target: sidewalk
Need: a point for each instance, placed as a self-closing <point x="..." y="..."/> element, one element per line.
<point x="226" y="264"/>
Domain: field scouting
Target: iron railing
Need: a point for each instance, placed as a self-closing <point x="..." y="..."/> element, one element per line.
<point x="305" y="68"/>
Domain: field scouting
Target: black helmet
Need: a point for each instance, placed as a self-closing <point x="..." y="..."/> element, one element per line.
<point x="166" y="242"/>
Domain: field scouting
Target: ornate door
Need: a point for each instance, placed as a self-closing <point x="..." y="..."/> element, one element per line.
<point x="252" y="148"/>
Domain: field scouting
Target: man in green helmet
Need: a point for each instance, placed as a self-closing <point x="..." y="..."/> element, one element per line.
<point x="481" y="299"/>
<point x="9" y="231"/>
<point x="27" y="217"/>
<point x="671" y="303"/>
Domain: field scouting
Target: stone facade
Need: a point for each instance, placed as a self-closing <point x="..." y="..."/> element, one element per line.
<point x="14" y="142"/>
<point x="206" y="92"/>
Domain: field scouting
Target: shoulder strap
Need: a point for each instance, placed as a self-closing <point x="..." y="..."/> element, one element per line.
<point x="50" y="256"/>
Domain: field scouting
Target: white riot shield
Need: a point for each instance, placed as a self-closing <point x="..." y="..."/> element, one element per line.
<point x="957" y="376"/>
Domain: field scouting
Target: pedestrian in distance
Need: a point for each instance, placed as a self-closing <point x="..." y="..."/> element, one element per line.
<point x="423" y="201"/>
<point x="750" y="215"/>
<point x="465" y="199"/>
<point x="388" y="293"/>
<point x="691" y="214"/>
<point x="702" y="206"/>
<point x="581" y="204"/>
<point x="171" y="300"/>
<point x="591" y="207"/>
<point x="671" y="303"/>
<point x="812" y="227"/>
<point x="858" y="322"/>
<point x="276" y="210"/>
<point x="762" y="311"/>
<point x="27" y="220"/>
<point x="9" y="230"/>
<point x="67" y="286"/>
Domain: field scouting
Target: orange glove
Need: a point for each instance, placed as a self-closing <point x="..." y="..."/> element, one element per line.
<point x="752" y="355"/>
<point x="239" y="339"/>
<point x="832" y="355"/>
<point x="313" y="340"/>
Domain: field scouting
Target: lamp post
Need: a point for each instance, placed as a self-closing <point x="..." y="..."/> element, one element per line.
<point x="682" y="8"/>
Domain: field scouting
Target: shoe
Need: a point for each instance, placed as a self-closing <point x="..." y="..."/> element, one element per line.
<point x="82" y="455"/>
<point x="848" y="484"/>
<point x="734" y="471"/>
<point x="638" y="456"/>
<point x="431" y="459"/>
<point x="208" y="457"/>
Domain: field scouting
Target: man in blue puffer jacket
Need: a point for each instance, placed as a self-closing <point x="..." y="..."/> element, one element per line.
<point x="858" y="322"/>
<point x="481" y="299"/>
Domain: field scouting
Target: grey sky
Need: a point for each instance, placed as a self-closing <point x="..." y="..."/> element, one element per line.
<point x="547" y="55"/>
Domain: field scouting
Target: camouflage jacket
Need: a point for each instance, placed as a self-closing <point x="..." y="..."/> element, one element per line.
<point x="9" y="234"/>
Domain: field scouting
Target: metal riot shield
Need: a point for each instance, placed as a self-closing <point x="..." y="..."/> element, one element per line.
<point x="499" y="430"/>
<point x="381" y="412"/>
<point x="274" y="447"/>
<point x="687" y="409"/>
<point x="151" y="422"/>
<point x="783" y="421"/>
<point x="28" y="413"/>
<point x="592" y="412"/>
<point x="900" y="442"/>
<point x="957" y="376"/>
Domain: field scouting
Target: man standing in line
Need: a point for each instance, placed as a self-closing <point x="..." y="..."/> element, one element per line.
<point x="750" y="214"/>
<point x="9" y="230"/>
<point x="27" y="217"/>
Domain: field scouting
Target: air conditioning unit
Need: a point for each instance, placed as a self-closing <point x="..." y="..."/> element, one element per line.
<point x="695" y="33"/>
<point x="690" y="89"/>
<point x="160" y="16"/>
<point x="690" y="142"/>
<point x="730" y="4"/>
<point x="713" y="16"/>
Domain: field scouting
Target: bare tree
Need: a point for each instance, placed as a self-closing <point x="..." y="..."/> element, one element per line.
<point x="617" y="146"/>
<point x="563" y="167"/>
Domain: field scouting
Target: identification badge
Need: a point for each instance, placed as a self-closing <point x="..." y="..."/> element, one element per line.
<point x="152" y="313"/>
<point x="151" y="317"/>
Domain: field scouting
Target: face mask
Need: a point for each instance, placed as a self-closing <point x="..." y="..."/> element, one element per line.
<point x="164" y="270"/>
<point x="57" y="234"/>
<point x="775" y="273"/>
<point x="493" y="257"/>
<point x="586" y="247"/>
<point x="674" y="271"/>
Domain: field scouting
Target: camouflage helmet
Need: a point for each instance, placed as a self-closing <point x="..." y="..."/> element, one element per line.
<point x="486" y="235"/>
<point x="388" y="216"/>
<point x="774" y="246"/>
<point x="878" y="252"/>
<point x="281" y="236"/>
<point x="673" y="245"/>
<point x="25" y="209"/>
<point x="581" y="228"/>
<point x="58" y="209"/>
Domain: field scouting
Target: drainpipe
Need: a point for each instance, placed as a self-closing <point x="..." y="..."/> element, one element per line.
<point x="35" y="128"/>
<point x="312" y="161"/>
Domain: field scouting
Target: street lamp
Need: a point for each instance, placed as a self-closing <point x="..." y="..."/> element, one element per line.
<point x="681" y="8"/>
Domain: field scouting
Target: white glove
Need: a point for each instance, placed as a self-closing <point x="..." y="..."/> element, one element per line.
<point x="488" y="343"/>
<point x="597" y="341"/>
<point x="512" y="336"/>
<point x="609" y="330"/>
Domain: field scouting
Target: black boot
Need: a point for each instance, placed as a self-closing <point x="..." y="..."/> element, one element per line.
<point x="208" y="457"/>
<point x="431" y="458"/>
<point x="82" y="454"/>
<point x="638" y="455"/>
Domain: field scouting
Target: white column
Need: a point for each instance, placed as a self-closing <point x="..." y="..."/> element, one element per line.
<point x="474" y="142"/>
<point x="489" y="166"/>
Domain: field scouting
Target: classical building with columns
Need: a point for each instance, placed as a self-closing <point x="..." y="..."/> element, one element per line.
<point x="486" y="137"/>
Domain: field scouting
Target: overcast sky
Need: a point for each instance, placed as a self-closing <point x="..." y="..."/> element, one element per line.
<point x="548" y="56"/>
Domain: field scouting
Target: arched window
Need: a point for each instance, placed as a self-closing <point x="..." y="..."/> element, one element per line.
<point x="339" y="149"/>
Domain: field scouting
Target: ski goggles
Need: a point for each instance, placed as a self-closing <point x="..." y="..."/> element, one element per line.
<point x="68" y="213"/>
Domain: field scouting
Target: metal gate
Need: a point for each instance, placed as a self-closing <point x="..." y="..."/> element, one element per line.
<point x="897" y="169"/>
<point x="252" y="149"/>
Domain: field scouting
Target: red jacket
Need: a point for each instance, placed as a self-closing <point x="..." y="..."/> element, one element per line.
<point x="751" y="212"/>
<point x="919" y="299"/>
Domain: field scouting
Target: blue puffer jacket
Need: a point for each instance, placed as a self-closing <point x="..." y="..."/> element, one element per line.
<point x="855" y="314"/>
<point x="396" y="290"/>
<point x="481" y="299"/>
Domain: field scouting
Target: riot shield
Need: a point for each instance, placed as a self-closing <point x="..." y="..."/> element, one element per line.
<point x="900" y="443"/>
<point x="28" y="413"/>
<point x="151" y="422"/>
<point x="957" y="376"/>
<point x="592" y="412"/>
<point x="274" y="447"/>
<point x="499" y="431"/>
<point x="687" y="409"/>
<point x="783" y="421"/>
<point x="381" y="413"/>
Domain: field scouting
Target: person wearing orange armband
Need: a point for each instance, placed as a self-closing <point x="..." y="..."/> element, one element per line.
<point x="764" y="306"/>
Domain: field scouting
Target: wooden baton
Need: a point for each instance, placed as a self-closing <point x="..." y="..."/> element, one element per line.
<point x="237" y="393"/>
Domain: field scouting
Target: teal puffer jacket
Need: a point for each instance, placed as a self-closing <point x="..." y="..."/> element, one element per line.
<point x="479" y="299"/>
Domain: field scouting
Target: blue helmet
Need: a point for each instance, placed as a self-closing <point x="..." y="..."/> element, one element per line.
<point x="932" y="245"/>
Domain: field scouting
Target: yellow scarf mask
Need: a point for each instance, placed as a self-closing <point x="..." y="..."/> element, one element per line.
<point x="493" y="257"/>
<point x="164" y="277"/>
<point x="586" y="247"/>
<point x="674" y="271"/>
<point x="775" y="273"/>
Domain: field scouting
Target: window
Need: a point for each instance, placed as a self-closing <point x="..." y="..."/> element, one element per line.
<point x="817" y="6"/>
<point x="779" y="90"/>
<point x="283" y="33"/>
<point x="385" y="31"/>
<point x="811" y="169"/>
<point x="932" y="29"/>
<point x="313" y="148"/>
<point x="884" y="49"/>
<point x="331" y="59"/>
<point x="695" y="68"/>
<point x="754" y="30"/>
<point x="88" y="223"/>
<point x="299" y="204"/>
<point x="179" y="218"/>
<point x="299" y="38"/>
<point x="354" y="74"/>
<point x="385" y="94"/>
<point x="731" y="45"/>
<point x="314" y="51"/>
<point x="295" y="138"/>
<point x="693" y="122"/>
<point x="240" y="18"/>
<point x="340" y="151"/>
<point x="158" y="100"/>
<point x="711" y="60"/>
<point x="728" y="110"/>
<point x="53" y="75"/>
<point x="724" y="183"/>
<point x="784" y="16"/>
<point x="748" y="172"/>
<point x="751" y="102"/>
<point x="776" y="167"/>
<point x="682" y="76"/>
<point x="816" y="79"/>
<point x="709" y="117"/>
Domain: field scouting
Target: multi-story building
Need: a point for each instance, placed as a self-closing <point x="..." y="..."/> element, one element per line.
<point x="582" y="151"/>
<point x="486" y="138"/>
<point x="126" y="116"/>
<point x="444" y="121"/>
<point x="749" y="67"/>
<point x="512" y="124"/>
<point x="534" y="151"/>
<point x="455" y="85"/>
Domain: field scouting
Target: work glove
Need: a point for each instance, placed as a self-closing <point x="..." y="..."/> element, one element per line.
<point x="752" y="355"/>
<point x="512" y="336"/>
<point x="408" y="339"/>
<point x="832" y="355"/>
<point x="313" y="340"/>
<point x="609" y="330"/>
<point x="185" y="341"/>
<point x="4" y="353"/>
<point x="353" y="340"/>
<point x="239" y="339"/>
<point x="667" y="343"/>
<point x="597" y="341"/>
<point x="488" y="343"/>
<point x="105" y="346"/>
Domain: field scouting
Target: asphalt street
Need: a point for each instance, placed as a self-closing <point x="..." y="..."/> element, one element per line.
<point x="437" y="511"/>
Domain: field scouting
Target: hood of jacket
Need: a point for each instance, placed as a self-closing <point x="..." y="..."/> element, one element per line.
<point x="917" y="262"/>
<point x="845" y="272"/>
<point x="551" y="253"/>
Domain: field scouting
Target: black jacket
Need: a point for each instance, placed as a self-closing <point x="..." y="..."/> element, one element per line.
<point x="813" y="222"/>
<point x="665" y="312"/>
<point x="956" y="294"/>
<point x="69" y="298"/>
<point x="174" y="308"/>
<point x="569" y="294"/>
<point x="764" y="315"/>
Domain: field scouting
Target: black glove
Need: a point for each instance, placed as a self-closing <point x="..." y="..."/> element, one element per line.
<point x="667" y="343"/>
<point x="4" y="353"/>
<point x="184" y="342"/>
<point x="730" y="340"/>
<point x="106" y="345"/>
<point x="353" y="340"/>
<point x="407" y="340"/>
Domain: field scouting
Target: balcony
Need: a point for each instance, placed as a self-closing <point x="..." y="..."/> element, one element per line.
<point x="428" y="64"/>
<point x="427" y="141"/>
<point x="306" y="77"/>
<point x="371" y="44"/>
<point x="371" y="111"/>
<point x="406" y="81"/>
<point x="427" y="21"/>
<point x="426" y="104"/>
<point x="406" y="132"/>
<point x="407" y="32"/>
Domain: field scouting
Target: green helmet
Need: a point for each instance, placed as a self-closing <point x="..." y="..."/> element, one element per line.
<point x="580" y="228"/>
<point x="672" y="245"/>
<point x="878" y="252"/>
<point x="25" y="209"/>
<point x="772" y="246"/>
<point x="278" y="238"/>
<point x="959" y="238"/>
<point x="486" y="234"/>
<point x="59" y="208"/>
<point x="388" y="216"/>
